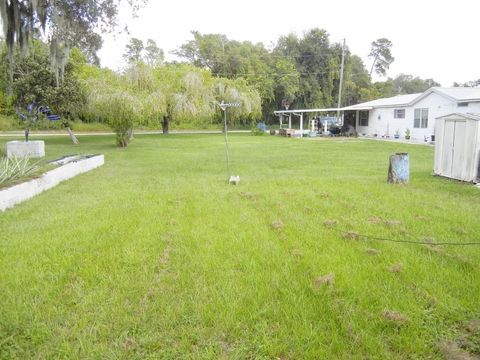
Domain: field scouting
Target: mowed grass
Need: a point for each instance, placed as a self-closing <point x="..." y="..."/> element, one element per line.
<point x="154" y="256"/>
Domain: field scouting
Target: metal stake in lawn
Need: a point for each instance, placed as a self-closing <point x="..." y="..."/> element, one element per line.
<point x="223" y="105"/>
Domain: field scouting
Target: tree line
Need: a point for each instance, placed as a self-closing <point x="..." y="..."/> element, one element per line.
<point x="298" y="71"/>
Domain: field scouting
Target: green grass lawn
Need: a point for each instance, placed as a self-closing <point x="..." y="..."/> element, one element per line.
<point x="154" y="256"/>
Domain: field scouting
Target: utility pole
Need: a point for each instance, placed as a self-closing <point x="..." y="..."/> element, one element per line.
<point x="341" y="81"/>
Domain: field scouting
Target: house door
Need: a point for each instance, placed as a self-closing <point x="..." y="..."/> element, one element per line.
<point x="453" y="148"/>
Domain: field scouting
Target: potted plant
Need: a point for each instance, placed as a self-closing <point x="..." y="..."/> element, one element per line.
<point x="407" y="134"/>
<point x="397" y="134"/>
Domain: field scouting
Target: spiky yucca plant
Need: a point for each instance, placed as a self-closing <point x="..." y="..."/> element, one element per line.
<point x="13" y="169"/>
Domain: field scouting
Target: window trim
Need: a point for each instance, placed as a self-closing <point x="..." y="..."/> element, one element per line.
<point x="360" y="113"/>
<point x="420" y="121"/>
<point x="396" y="113"/>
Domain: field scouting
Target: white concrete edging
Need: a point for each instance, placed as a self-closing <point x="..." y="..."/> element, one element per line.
<point x="16" y="194"/>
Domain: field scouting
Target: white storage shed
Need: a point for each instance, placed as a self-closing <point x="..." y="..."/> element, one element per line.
<point x="457" y="146"/>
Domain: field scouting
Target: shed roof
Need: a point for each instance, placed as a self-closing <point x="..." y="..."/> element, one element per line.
<point x="469" y="116"/>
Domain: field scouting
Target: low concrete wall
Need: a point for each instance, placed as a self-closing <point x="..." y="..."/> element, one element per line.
<point x="21" y="149"/>
<point x="11" y="196"/>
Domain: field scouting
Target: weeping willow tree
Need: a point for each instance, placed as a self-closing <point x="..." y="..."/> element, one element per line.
<point x="187" y="94"/>
<point x="111" y="100"/>
<point x="177" y="93"/>
<point x="63" y="23"/>
<point x="119" y="111"/>
<point x="237" y="91"/>
<point x="112" y="103"/>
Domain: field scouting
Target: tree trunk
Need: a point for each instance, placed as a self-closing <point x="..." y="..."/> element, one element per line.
<point x="165" y="124"/>
<point x="72" y="136"/>
<point x="130" y="134"/>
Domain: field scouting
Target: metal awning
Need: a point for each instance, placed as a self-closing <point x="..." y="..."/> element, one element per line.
<point x="278" y="112"/>
<point x="355" y="107"/>
<point x="347" y="108"/>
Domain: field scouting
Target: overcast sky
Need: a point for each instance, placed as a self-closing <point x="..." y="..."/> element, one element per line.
<point x="431" y="39"/>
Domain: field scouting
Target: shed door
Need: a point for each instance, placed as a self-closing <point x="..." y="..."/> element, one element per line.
<point x="458" y="164"/>
<point x="453" y="148"/>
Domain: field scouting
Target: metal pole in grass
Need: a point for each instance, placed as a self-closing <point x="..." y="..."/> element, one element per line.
<point x="223" y="105"/>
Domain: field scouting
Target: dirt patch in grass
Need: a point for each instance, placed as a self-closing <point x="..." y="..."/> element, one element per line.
<point x="164" y="257"/>
<point x="466" y="346"/>
<point x="374" y="220"/>
<point x="452" y="351"/>
<point x="371" y="251"/>
<point x="434" y="249"/>
<point x="392" y="223"/>
<point x="422" y="218"/>
<point x="395" y="317"/>
<point x="129" y="344"/>
<point x="469" y="341"/>
<point x="351" y="235"/>
<point x="296" y="253"/>
<point x="325" y="280"/>
<point x="473" y="326"/>
<point x="443" y="252"/>
<point x="396" y="268"/>
<point x="329" y="223"/>
<point x="277" y="225"/>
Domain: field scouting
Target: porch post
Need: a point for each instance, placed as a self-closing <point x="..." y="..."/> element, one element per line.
<point x="289" y="121"/>
<point x="301" y="124"/>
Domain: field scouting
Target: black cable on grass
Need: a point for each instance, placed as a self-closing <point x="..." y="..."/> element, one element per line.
<point x="354" y="234"/>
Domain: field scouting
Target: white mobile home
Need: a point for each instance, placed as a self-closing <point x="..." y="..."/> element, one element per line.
<point x="416" y="112"/>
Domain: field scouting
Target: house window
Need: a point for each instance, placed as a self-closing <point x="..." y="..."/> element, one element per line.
<point x="363" y="118"/>
<point x="399" y="114"/>
<point x="420" y="120"/>
<point x="463" y="104"/>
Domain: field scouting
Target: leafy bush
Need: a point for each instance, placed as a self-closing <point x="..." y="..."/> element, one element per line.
<point x="8" y="123"/>
<point x="6" y="104"/>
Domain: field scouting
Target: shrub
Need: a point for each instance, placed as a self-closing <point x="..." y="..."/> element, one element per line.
<point x="9" y="123"/>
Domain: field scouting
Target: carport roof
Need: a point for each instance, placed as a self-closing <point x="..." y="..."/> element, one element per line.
<point x="306" y="111"/>
<point x="399" y="100"/>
